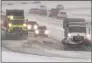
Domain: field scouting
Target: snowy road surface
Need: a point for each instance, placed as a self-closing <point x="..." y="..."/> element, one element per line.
<point x="74" y="9"/>
<point x="16" y="57"/>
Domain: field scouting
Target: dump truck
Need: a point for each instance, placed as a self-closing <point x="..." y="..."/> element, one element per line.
<point x="15" y="24"/>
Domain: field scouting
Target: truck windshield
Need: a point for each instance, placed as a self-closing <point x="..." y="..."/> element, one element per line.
<point x="77" y="29"/>
<point x="15" y="13"/>
<point x="17" y="21"/>
<point x="32" y="23"/>
<point x="42" y="28"/>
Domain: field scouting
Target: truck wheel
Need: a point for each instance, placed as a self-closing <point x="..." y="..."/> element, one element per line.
<point x="25" y="35"/>
<point x="65" y="41"/>
<point x="87" y="42"/>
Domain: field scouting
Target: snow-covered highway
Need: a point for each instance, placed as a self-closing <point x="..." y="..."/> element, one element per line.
<point x="41" y="52"/>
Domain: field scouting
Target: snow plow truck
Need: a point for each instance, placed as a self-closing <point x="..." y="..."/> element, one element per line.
<point x="76" y="32"/>
<point x="15" y="24"/>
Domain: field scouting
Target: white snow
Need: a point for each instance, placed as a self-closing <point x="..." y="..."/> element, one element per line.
<point x="16" y="57"/>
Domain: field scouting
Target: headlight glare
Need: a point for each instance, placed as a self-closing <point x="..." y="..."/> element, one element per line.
<point x="46" y="32"/>
<point x="11" y="17"/>
<point x="69" y="35"/>
<point x="24" y="25"/>
<point x="37" y="32"/>
<point x="29" y="26"/>
<point x="35" y="27"/>
<point x="88" y="36"/>
<point x="9" y="24"/>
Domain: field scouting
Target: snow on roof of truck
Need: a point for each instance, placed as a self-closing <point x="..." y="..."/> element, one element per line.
<point x="14" y="10"/>
<point x="77" y="25"/>
<point x="74" y="19"/>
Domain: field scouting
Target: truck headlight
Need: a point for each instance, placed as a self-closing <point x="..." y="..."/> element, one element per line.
<point x="46" y="32"/>
<point x="69" y="35"/>
<point x="29" y="26"/>
<point x="37" y="31"/>
<point x="9" y="24"/>
<point x="11" y="17"/>
<point x="24" y="25"/>
<point x="35" y="26"/>
<point x="88" y="36"/>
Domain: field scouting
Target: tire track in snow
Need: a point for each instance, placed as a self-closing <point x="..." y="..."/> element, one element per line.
<point x="49" y="53"/>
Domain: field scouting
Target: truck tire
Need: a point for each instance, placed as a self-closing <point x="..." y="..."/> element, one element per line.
<point x="25" y="35"/>
<point x="87" y="42"/>
<point x="10" y="37"/>
<point x="65" y="41"/>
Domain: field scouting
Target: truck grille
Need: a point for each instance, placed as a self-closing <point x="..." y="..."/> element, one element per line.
<point x="19" y="17"/>
<point x="41" y="32"/>
<point x="78" y="38"/>
<point x="17" y="29"/>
